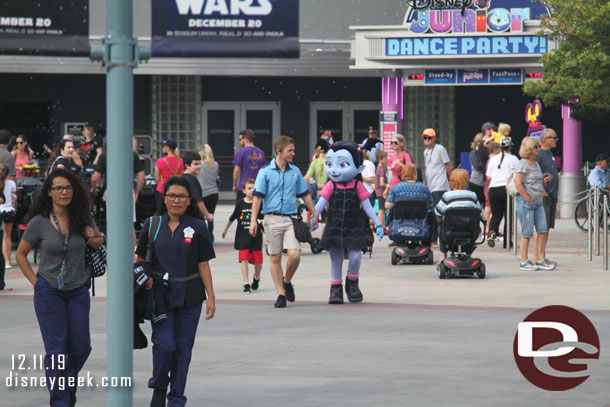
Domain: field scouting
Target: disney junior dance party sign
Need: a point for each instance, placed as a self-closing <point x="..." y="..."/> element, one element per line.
<point x="469" y="28"/>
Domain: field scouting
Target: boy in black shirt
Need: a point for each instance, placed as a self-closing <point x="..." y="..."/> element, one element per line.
<point x="192" y="167"/>
<point x="250" y="248"/>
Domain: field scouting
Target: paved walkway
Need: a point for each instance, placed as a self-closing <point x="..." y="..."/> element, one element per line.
<point x="416" y="340"/>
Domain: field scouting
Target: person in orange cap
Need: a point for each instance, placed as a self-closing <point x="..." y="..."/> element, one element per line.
<point x="438" y="165"/>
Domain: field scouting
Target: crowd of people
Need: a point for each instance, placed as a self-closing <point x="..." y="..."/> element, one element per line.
<point x="347" y="184"/>
<point x="492" y="165"/>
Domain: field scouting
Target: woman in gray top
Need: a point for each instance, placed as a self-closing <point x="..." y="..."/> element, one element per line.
<point x="530" y="181"/>
<point x="208" y="179"/>
<point x="60" y="224"/>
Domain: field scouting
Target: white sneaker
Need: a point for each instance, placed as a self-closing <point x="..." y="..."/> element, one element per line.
<point x="545" y="265"/>
<point x="8" y="265"/>
<point x="528" y="266"/>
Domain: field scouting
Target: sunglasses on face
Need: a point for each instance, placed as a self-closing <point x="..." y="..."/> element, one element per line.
<point x="395" y="142"/>
<point x="20" y="142"/>
<point x="427" y="138"/>
<point x="536" y="147"/>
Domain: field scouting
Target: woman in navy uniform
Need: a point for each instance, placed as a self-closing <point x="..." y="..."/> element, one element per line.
<point x="60" y="223"/>
<point x="180" y="256"/>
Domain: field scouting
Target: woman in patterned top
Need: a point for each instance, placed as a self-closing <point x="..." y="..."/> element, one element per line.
<point x="408" y="188"/>
<point x="530" y="181"/>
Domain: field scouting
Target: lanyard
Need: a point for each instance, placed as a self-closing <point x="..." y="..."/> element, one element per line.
<point x="62" y="268"/>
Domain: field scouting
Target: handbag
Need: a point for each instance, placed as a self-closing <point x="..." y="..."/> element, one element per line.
<point x="95" y="261"/>
<point x="511" y="188"/>
<point x="301" y="229"/>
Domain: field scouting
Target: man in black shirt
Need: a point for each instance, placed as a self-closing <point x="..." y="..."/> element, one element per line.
<point x="139" y="175"/>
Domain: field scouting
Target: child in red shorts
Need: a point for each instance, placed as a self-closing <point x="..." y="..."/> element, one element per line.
<point x="250" y="248"/>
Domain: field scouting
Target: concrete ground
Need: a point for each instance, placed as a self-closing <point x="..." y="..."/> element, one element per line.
<point x="415" y="340"/>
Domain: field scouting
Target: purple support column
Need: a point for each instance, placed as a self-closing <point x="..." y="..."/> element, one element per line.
<point x="572" y="180"/>
<point x="392" y="97"/>
<point x="572" y="142"/>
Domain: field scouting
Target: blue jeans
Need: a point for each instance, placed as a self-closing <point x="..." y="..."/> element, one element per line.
<point x="530" y="215"/>
<point x="63" y="317"/>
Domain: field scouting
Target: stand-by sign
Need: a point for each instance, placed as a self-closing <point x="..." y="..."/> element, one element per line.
<point x="461" y="77"/>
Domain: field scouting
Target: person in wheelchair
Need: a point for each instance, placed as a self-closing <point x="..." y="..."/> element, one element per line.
<point x="459" y="216"/>
<point x="410" y="219"/>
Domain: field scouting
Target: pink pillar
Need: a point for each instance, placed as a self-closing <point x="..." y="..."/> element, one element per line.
<point x="572" y="142"/>
<point x="392" y="97"/>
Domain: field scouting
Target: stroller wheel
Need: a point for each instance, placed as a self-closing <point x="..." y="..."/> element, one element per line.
<point x="442" y="271"/>
<point x="314" y="246"/>
<point x="482" y="271"/>
<point x="394" y="258"/>
<point x="491" y="239"/>
<point x="430" y="259"/>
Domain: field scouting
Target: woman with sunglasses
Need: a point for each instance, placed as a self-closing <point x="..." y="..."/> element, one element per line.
<point x="22" y="153"/>
<point x="530" y="182"/>
<point x="60" y="224"/>
<point x="180" y="256"/>
<point x="396" y="163"/>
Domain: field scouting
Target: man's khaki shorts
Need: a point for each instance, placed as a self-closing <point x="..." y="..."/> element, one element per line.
<point x="279" y="234"/>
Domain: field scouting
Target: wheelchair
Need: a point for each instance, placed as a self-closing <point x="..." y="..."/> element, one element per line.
<point x="459" y="231"/>
<point x="409" y="226"/>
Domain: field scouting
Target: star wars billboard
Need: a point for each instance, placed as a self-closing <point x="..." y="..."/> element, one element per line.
<point x="225" y="28"/>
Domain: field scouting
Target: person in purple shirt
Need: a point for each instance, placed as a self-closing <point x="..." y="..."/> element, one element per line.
<point x="248" y="160"/>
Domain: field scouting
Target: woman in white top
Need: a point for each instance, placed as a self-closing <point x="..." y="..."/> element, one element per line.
<point x="498" y="169"/>
<point x="368" y="176"/>
<point x="7" y="212"/>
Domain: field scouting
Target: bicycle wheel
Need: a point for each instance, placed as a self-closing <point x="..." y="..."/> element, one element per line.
<point x="580" y="215"/>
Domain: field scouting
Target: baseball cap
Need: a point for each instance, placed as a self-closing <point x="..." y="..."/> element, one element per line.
<point x="488" y="126"/>
<point x="601" y="157"/>
<point x="429" y="133"/>
<point x="170" y="143"/>
<point x="506" y="142"/>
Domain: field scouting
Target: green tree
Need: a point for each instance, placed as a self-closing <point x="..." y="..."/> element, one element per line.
<point x="579" y="68"/>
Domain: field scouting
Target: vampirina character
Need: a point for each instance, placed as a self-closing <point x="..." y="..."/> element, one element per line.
<point x="345" y="193"/>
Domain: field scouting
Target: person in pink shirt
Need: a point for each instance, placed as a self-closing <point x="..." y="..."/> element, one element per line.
<point x="344" y="231"/>
<point x="171" y="165"/>
<point x="400" y="159"/>
<point x="22" y="154"/>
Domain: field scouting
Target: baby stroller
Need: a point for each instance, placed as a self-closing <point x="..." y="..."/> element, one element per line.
<point x="410" y="228"/>
<point x="460" y="229"/>
<point x="27" y="189"/>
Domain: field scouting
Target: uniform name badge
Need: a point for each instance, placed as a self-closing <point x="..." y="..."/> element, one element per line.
<point x="188" y="235"/>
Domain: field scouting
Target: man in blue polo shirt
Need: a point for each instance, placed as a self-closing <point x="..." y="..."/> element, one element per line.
<point x="278" y="185"/>
<point x="600" y="175"/>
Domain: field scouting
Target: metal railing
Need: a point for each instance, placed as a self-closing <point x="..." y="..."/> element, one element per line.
<point x="512" y="224"/>
<point x="605" y="218"/>
<point x="597" y="224"/>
